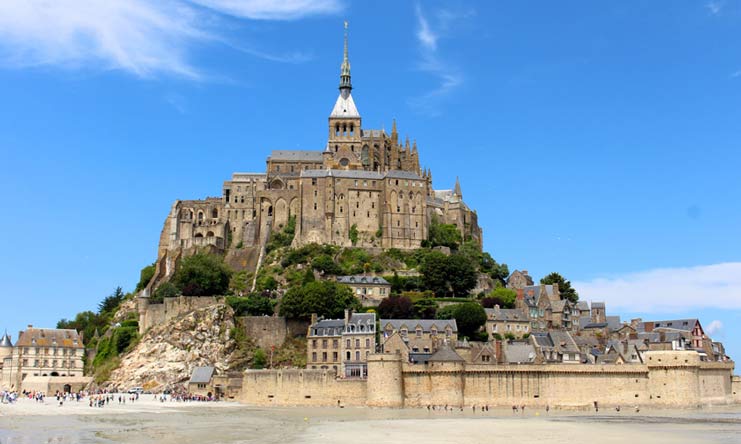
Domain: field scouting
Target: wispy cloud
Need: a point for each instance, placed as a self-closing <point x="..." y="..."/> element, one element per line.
<point x="273" y="9"/>
<point x="736" y="74"/>
<point x="669" y="290"/>
<point x="430" y="61"/>
<point x="715" y="7"/>
<point x="142" y="37"/>
<point x="714" y="327"/>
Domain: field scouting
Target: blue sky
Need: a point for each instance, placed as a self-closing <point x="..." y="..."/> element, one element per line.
<point x="600" y="140"/>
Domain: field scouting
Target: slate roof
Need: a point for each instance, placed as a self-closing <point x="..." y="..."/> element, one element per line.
<point x="349" y="174"/>
<point x="362" y="279"/>
<point x="558" y="306"/>
<point x="373" y="133"/>
<point x="345" y="107"/>
<point x="445" y="354"/>
<point x="613" y="322"/>
<point x="582" y="306"/>
<point x="505" y="314"/>
<point x="296" y="155"/>
<point x="49" y="337"/>
<point x="679" y="324"/>
<point x="519" y="353"/>
<point x="201" y="375"/>
<point x="426" y="324"/>
<point x="328" y="327"/>
<point x="401" y="174"/>
<point x="5" y="341"/>
<point x="335" y="327"/>
<point x="598" y="305"/>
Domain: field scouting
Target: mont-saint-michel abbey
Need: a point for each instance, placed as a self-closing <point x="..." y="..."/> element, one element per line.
<point x="415" y="313"/>
<point x="363" y="180"/>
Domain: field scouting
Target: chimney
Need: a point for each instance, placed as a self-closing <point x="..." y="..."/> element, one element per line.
<point x="498" y="351"/>
<point x="520" y="294"/>
<point x="496" y="308"/>
<point x="30" y="326"/>
<point x="347" y="316"/>
<point x="524" y="272"/>
<point x="313" y="318"/>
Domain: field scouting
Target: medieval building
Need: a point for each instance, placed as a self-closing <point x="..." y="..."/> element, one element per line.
<point x="364" y="188"/>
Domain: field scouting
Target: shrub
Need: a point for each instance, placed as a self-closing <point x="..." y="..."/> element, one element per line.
<point x="353" y="234"/>
<point x="166" y="290"/>
<point x="145" y="276"/>
<point x="252" y="305"/>
<point x="259" y="359"/>
<point x="325" y="298"/>
<point x="202" y="275"/>
<point x="396" y="307"/>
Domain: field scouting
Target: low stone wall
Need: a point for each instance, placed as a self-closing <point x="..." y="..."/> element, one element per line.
<point x="52" y="384"/>
<point x="736" y="389"/>
<point x="301" y="387"/>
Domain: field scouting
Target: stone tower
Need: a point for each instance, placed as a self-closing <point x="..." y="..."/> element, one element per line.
<point x="345" y="136"/>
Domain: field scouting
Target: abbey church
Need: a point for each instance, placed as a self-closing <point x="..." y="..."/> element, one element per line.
<point x="364" y="188"/>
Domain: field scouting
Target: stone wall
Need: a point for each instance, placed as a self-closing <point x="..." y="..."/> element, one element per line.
<point x="301" y="387"/>
<point x="269" y="331"/>
<point x="52" y="384"/>
<point x="669" y="379"/>
<point x="155" y="314"/>
<point x="736" y="389"/>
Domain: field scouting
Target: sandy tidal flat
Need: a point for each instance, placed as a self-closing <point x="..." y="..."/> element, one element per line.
<point x="149" y="421"/>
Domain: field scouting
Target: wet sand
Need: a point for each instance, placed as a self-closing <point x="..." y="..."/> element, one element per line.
<point x="149" y="421"/>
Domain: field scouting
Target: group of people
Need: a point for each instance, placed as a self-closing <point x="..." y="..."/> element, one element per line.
<point x="8" y="397"/>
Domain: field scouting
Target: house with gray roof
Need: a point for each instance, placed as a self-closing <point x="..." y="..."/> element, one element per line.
<point x="370" y="290"/>
<point x="506" y="322"/>
<point x="420" y="335"/>
<point x="342" y="345"/>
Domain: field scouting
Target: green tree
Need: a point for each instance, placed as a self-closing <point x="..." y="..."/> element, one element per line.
<point x="504" y="297"/>
<point x="396" y="307"/>
<point x="470" y="317"/>
<point x="326" y="265"/>
<point x="145" y="276"/>
<point x="425" y="308"/>
<point x="86" y="322"/>
<point x="259" y="359"/>
<point x="109" y="305"/>
<point x="309" y="276"/>
<point x="202" y="275"/>
<point x="239" y="282"/>
<point x="434" y="273"/>
<point x="446" y="235"/>
<point x="325" y="298"/>
<point x="353" y="234"/>
<point x="461" y="274"/>
<point x="564" y="286"/>
<point x="266" y="282"/>
<point x="165" y="290"/>
<point x="252" y="305"/>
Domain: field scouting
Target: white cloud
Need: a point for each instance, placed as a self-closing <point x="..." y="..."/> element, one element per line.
<point x="714" y="327"/>
<point x="448" y="75"/>
<point x="667" y="290"/>
<point x="715" y="7"/>
<point x="424" y="34"/>
<point x="273" y="9"/>
<point x="138" y="36"/>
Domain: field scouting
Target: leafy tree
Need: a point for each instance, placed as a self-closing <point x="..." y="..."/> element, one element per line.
<point x="109" y="305"/>
<point x="166" y="290"/>
<point x="461" y="274"/>
<point x="239" y="282"/>
<point x="252" y="305"/>
<point x="326" y="265"/>
<point x="145" y="276"/>
<point x="434" y="273"/>
<point x="504" y="297"/>
<point x="266" y="282"/>
<point x="86" y="322"/>
<point x="309" y="276"/>
<point x="470" y="317"/>
<point x="325" y="298"/>
<point x="446" y="235"/>
<point x="396" y="307"/>
<point x="425" y="308"/>
<point x="202" y="275"/>
<point x="447" y="312"/>
<point x="448" y="275"/>
<point x="564" y="286"/>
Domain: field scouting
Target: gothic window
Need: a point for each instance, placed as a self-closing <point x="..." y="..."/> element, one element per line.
<point x="336" y="133"/>
<point x="344" y="129"/>
<point x="270" y="211"/>
<point x="352" y="129"/>
<point x="200" y="216"/>
<point x="215" y="213"/>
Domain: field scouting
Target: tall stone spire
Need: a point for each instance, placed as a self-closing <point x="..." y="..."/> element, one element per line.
<point x="457" y="190"/>
<point x="345" y="84"/>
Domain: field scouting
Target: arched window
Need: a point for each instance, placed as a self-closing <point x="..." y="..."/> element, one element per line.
<point x="357" y="355"/>
<point x="348" y="356"/>
<point x="200" y="216"/>
<point x="336" y="133"/>
<point x="270" y="210"/>
<point x="215" y="213"/>
<point x="210" y="234"/>
<point x="352" y="129"/>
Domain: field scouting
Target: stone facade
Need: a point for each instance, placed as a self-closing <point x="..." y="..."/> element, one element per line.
<point x="365" y="187"/>
<point x="342" y="345"/>
<point x="370" y="290"/>
<point x="44" y="354"/>
<point x="669" y="379"/>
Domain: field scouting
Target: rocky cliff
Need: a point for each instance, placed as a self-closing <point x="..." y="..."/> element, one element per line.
<point x="166" y="355"/>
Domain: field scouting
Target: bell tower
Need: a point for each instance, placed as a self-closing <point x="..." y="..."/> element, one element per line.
<point x="345" y="138"/>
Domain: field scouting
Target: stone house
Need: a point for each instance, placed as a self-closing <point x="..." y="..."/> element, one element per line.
<point x="504" y="322"/>
<point x="518" y="280"/>
<point x="475" y="352"/>
<point x="423" y="336"/>
<point x="536" y="302"/>
<point x="342" y="344"/>
<point x="201" y="381"/>
<point x="370" y="290"/>
<point x="44" y="353"/>
<point x="556" y="346"/>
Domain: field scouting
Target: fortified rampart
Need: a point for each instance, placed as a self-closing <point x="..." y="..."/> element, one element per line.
<point x="154" y="314"/>
<point x="668" y="379"/>
<point x="269" y="331"/>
